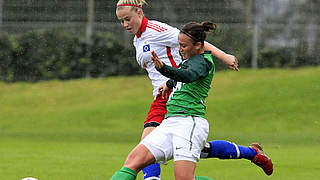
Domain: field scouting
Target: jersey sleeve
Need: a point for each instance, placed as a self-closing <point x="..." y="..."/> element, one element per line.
<point x="190" y="71"/>
<point x="168" y="38"/>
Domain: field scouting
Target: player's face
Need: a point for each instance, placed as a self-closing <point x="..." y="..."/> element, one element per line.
<point x="187" y="47"/>
<point x="130" y="19"/>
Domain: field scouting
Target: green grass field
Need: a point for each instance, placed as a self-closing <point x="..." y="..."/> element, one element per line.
<point x="84" y="129"/>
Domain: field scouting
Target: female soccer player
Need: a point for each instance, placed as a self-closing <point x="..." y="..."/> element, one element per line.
<point x="163" y="39"/>
<point x="184" y="131"/>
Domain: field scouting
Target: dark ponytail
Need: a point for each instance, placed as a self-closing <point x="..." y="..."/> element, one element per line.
<point x="208" y="26"/>
<point x="197" y="31"/>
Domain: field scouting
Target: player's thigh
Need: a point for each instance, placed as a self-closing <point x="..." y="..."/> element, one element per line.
<point x="184" y="170"/>
<point x="159" y="143"/>
<point x="147" y="131"/>
<point x="139" y="158"/>
<point x="189" y="139"/>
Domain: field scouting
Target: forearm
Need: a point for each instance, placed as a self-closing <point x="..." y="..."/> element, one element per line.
<point x="227" y="59"/>
<point x="180" y="75"/>
<point x="215" y="51"/>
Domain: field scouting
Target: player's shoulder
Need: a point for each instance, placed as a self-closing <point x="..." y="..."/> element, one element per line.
<point x="203" y="59"/>
<point x="158" y="26"/>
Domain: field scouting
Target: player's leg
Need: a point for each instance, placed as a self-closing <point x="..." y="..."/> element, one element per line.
<point x="152" y="171"/>
<point x="147" y="131"/>
<point x="184" y="170"/>
<point x="202" y="178"/>
<point x="261" y="159"/>
<point x="157" y="146"/>
<point x="155" y="117"/>
<point x="226" y="150"/>
<point x="138" y="158"/>
<point x="124" y="174"/>
<point x="188" y="140"/>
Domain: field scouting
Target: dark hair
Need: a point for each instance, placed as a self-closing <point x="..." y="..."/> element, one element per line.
<point x="197" y="31"/>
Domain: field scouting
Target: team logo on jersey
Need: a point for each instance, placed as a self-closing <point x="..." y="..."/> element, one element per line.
<point x="146" y="48"/>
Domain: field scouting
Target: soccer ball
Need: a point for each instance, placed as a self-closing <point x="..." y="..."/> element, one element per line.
<point x="29" y="178"/>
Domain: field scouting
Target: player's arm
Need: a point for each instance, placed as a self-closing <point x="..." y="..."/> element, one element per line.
<point x="192" y="71"/>
<point x="228" y="59"/>
<point x="181" y="75"/>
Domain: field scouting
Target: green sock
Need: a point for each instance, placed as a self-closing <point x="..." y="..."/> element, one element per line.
<point x="202" y="178"/>
<point x="124" y="174"/>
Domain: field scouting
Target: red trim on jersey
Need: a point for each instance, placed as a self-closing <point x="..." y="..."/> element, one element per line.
<point x="159" y="29"/>
<point x="157" y="26"/>
<point x="154" y="28"/>
<point x="143" y="26"/>
<point x="129" y="5"/>
<point x="173" y="63"/>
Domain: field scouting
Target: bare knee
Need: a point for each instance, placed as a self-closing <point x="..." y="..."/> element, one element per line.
<point x="139" y="158"/>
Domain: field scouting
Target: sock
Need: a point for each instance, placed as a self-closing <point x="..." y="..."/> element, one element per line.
<point x="152" y="171"/>
<point x="124" y="174"/>
<point x="226" y="150"/>
<point x="202" y="178"/>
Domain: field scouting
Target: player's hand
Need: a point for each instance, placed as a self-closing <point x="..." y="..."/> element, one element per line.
<point x="156" y="60"/>
<point x="232" y="62"/>
<point x="164" y="91"/>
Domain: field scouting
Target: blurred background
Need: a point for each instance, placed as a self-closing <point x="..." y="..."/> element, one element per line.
<point x="84" y="128"/>
<point x="65" y="39"/>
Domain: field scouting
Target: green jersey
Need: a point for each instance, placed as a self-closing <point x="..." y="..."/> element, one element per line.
<point x="191" y="82"/>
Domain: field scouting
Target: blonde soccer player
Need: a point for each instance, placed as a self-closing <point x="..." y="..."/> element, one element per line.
<point x="184" y="131"/>
<point x="163" y="39"/>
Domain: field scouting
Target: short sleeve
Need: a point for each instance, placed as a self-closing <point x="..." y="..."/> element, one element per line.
<point x="169" y="38"/>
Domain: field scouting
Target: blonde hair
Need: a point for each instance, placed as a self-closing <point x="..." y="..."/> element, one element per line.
<point x="133" y="2"/>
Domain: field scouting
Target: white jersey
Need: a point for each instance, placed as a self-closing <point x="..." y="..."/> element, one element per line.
<point x="161" y="38"/>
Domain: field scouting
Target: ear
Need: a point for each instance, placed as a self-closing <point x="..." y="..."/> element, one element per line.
<point x="140" y="13"/>
<point x="198" y="45"/>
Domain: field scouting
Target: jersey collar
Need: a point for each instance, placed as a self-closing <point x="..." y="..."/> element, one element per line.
<point x="143" y="26"/>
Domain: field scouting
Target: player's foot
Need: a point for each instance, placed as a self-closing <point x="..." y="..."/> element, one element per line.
<point x="261" y="159"/>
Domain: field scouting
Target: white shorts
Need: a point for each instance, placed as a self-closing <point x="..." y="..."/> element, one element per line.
<point x="178" y="137"/>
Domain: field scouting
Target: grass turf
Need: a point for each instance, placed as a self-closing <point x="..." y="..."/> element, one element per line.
<point x="83" y="129"/>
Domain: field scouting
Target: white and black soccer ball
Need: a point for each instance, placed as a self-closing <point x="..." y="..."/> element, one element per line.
<point x="29" y="178"/>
